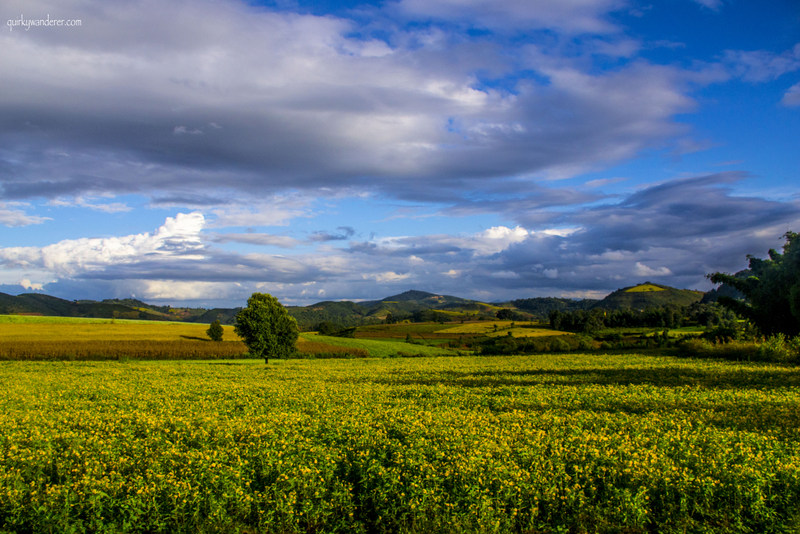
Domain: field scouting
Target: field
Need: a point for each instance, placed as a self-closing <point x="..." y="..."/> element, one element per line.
<point x="644" y="288"/>
<point x="567" y="443"/>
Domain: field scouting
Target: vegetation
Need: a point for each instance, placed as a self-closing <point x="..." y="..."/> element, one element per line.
<point x="524" y="444"/>
<point x="771" y="289"/>
<point x="215" y="331"/>
<point x="706" y="315"/>
<point x="266" y="327"/>
<point x="649" y="295"/>
<point x="540" y="307"/>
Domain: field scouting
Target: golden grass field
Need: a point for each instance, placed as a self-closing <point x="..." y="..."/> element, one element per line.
<point x="52" y="338"/>
<point x="644" y="288"/>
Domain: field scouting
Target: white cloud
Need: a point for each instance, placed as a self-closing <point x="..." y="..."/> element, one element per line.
<point x="497" y="238"/>
<point x="763" y="65"/>
<point x="258" y="239"/>
<point x="178" y="290"/>
<point x="388" y="276"/>
<point x="640" y="269"/>
<point x="792" y="96"/>
<point x="90" y="203"/>
<point x="33" y="286"/>
<point x="11" y="216"/>
<point x="179" y="236"/>
<point x="276" y="212"/>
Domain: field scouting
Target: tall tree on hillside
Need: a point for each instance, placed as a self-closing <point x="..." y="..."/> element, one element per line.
<point x="771" y="288"/>
<point x="266" y="327"/>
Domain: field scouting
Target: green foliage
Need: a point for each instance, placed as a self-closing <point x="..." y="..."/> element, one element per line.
<point x="533" y="345"/>
<point x="771" y="288"/>
<point x="215" y="331"/>
<point x="542" y="306"/>
<point x="775" y="349"/>
<point x="505" y="314"/>
<point x="266" y="327"/>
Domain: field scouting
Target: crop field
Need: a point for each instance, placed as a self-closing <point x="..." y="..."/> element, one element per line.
<point x="62" y="338"/>
<point x="568" y="443"/>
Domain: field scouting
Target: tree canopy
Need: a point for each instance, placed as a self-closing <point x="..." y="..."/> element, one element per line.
<point x="266" y="327"/>
<point x="771" y="288"/>
<point x="215" y="331"/>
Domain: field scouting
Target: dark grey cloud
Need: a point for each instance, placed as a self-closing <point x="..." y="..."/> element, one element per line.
<point x="260" y="102"/>
<point x="344" y="233"/>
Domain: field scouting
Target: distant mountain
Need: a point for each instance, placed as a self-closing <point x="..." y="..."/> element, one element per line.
<point x="649" y="295"/>
<point x="41" y="304"/>
<point x="402" y="305"/>
<point x="410" y="304"/>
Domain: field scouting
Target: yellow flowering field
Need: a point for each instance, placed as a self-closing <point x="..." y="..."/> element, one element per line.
<point x="556" y="443"/>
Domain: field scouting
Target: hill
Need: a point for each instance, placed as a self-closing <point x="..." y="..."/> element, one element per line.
<point x="648" y="295"/>
<point x="413" y="304"/>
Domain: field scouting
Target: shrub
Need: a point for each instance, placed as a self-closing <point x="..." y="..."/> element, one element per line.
<point x="778" y="349"/>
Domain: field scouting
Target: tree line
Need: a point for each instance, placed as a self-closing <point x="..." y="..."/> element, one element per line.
<point x="669" y="316"/>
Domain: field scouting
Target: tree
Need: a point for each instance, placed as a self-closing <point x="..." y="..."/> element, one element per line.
<point x="266" y="327"/>
<point x="771" y="288"/>
<point x="504" y="314"/>
<point x="215" y="331"/>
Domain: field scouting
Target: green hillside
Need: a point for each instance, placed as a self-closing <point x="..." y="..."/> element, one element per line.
<point x="649" y="295"/>
<point x="412" y="305"/>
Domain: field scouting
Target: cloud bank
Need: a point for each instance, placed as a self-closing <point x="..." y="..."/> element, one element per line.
<point x="253" y="123"/>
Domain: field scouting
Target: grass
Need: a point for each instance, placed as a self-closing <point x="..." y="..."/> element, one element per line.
<point x="572" y="443"/>
<point x="46" y="319"/>
<point x="107" y="331"/>
<point x="644" y="288"/>
<point x="382" y="348"/>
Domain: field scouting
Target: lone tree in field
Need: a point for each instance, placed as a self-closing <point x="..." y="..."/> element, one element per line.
<point x="266" y="327"/>
<point x="215" y="331"/>
<point x="771" y="288"/>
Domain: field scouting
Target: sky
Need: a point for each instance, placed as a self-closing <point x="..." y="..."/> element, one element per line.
<point x="193" y="152"/>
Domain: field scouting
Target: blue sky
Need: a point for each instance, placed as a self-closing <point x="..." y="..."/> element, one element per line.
<point x="193" y="152"/>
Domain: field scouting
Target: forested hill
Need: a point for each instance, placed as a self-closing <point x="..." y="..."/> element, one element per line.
<point x="413" y="305"/>
<point x="648" y="295"/>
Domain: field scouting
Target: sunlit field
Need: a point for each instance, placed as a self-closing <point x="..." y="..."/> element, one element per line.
<point x="567" y="443"/>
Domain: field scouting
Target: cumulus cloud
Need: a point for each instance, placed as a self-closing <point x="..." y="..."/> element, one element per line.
<point x="32" y="286"/>
<point x="179" y="236"/>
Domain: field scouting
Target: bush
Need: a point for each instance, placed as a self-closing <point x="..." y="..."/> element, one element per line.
<point x="778" y="349"/>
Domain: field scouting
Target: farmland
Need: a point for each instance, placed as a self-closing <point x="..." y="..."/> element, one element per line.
<point x="68" y="338"/>
<point x="493" y="444"/>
